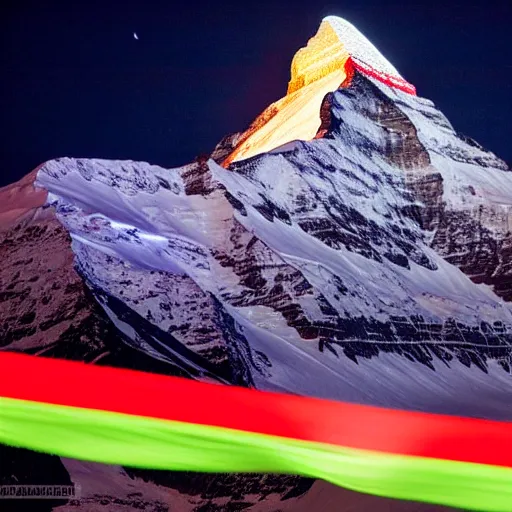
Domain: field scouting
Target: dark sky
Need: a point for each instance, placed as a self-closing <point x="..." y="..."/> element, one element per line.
<point x="76" y="83"/>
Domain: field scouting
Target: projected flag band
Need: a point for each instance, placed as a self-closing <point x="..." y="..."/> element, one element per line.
<point x="145" y="420"/>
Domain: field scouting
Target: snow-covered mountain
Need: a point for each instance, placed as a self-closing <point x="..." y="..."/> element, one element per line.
<point x="350" y="244"/>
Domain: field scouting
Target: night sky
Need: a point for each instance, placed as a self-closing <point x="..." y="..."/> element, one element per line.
<point x="75" y="82"/>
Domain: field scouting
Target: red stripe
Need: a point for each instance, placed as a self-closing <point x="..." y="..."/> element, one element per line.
<point x="391" y="81"/>
<point x="144" y="394"/>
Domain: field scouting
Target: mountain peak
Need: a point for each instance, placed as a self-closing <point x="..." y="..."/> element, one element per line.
<point x="326" y="63"/>
<point x="336" y="46"/>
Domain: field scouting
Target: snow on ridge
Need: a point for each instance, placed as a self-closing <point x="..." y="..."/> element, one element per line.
<point x="382" y="289"/>
<point x="360" y="47"/>
<point x="366" y="57"/>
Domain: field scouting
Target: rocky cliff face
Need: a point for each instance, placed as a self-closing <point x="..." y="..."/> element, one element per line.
<point x="371" y="263"/>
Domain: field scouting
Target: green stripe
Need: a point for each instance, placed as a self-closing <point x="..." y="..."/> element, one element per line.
<point x="114" y="438"/>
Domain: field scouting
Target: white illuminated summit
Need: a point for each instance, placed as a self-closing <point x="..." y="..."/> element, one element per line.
<point x="359" y="47"/>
